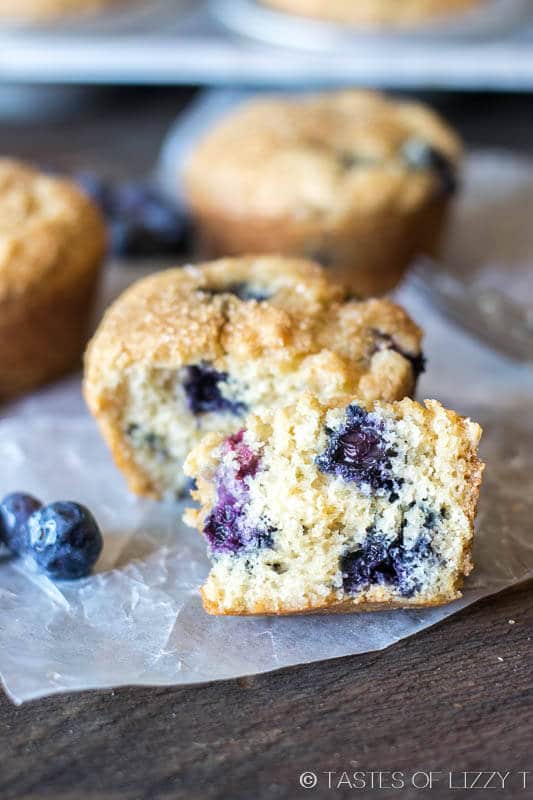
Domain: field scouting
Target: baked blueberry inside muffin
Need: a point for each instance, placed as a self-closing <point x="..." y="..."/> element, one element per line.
<point x="343" y="507"/>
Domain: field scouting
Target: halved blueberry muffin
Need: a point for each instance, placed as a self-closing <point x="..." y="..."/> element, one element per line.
<point x="334" y="507"/>
<point x="192" y="350"/>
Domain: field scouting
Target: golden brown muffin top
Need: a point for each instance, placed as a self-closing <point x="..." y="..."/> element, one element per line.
<point x="49" y="232"/>
<point x="323" y="157"/>
<point x="193" y="315"/>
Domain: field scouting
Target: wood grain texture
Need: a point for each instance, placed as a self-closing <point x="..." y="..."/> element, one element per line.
<point x="456" y="697"/>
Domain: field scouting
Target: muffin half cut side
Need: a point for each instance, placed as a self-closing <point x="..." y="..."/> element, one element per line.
<point x="339" y="507"/>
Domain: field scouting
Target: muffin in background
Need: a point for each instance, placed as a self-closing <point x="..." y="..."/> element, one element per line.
<point x="394" y="13"/>
<point x="47" y="10"/>
<point x="52" y="245"/>
<point x="351" y="179"/>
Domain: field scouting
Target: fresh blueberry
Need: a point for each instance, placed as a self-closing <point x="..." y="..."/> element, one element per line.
<point x="64" y="540"/>
<point x="142" y="221"/>
<point x="421" y="155"/>
<point x="202" y="388"/>
<point x="357" y="452"/>
<point x="15" y="510"/>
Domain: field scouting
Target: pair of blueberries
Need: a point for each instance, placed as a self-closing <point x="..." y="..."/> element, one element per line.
<point x="62" y="538"/>
<point x="142" y="222"/>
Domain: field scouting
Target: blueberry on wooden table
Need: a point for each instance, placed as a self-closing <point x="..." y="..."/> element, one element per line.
<point x="64" y="540"/>
<point x="15" y="510"/>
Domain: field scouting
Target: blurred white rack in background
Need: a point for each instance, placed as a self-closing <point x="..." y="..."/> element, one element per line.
<point x="238" y="42"/>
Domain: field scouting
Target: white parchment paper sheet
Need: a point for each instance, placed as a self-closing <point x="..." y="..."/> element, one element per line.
<point x="139" y="619"/>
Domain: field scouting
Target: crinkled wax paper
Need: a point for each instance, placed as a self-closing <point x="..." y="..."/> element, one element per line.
<point x="139" y="619"/>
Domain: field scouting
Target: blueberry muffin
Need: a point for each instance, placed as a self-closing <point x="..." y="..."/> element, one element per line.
<point x="52" y="244"/>
<point x="394" y="13"/>
<point x="350" y="179"/>
<point x="337" y="507"/>
<point x="44" y="10"/>
<point x="192" y="350"/>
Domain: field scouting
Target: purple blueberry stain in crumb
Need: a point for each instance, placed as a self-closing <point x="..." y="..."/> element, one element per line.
<point x="241" y="289"/>
<point x="419" y="154"/>
<point x="384" y="341"/>
<point x="202" y="388"/>
<point x="228" y="528"/>
<point x="228" y="531"/>
<point x="247" y="461"/>
<point x="357" y="452"/>
<point x="380" y="560"/>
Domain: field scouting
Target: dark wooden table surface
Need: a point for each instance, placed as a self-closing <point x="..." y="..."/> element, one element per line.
<point x="457" y="697"/>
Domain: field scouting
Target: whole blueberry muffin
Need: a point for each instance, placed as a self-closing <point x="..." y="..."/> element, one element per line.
<point x="337" y="507"/>
<point x="396" y="13"/>
<point x="192" y="350"/>
<point x="43" y="10"/>
<point x="52" y="244"/>
<point x="355" y="181"/>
